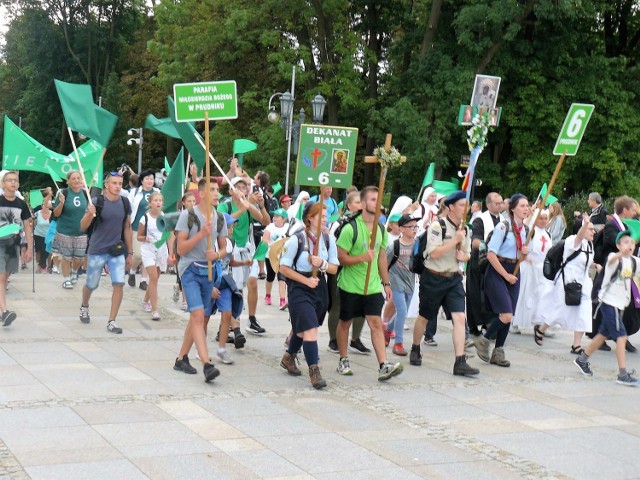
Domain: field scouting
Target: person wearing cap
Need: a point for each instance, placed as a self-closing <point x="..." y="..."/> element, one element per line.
<point x="620" y="271"/>
<point x="501" y="287"/>
<point x="548" y="296"/>
<point x="393" y="228"/>
<point x="277" y="229"/>
<point x="449" y="242"/>
<point x="138" y="198"/>
<point x="308" y="294"/>
<point x="355" y="258"/>
<point x="285" y="201"/>
<point x="402" y="280"/>
<point x="246" y="206"/>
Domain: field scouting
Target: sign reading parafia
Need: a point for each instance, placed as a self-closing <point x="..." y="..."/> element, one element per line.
<point x="217" y="99"/>
<point x="326" y="156"/>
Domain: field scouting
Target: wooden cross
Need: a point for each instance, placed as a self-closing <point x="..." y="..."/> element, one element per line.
<point x="383" y="177"/>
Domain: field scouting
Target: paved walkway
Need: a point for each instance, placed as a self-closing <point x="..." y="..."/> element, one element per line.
<point x="79" y="402"/>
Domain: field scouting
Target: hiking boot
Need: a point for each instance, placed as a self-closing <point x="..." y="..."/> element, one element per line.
<point x="8" y="317"/>
<point x="398" y="349"/>
<point x="389" y="370"/>
<point x="239" y="341"/>
<point x="415" y="357"/>
<point x="584" y="367"/>
<point x="183" y="365"/>
<point x="132" y="280"/>
<point x="628" y="379"/>
<point x="254" y="326"/>
<point x="482" y="346"/>
<point x="343" y="367"/>
<point x="387" y="335"/>
<point x="84" y="314"/>
<point x="462" y="368"/>
<point x="288" y="362"/>
<point x="333" y="346"/>
<point x="497" y="358"/>
<point x="210" y="372"/>
<point x="356" y="346"/>
<point x="316" y="379"/>
<point x="113" y="327"/>
<point x="143" y="285"/>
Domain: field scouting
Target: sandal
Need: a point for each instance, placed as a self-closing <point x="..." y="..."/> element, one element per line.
<point x="538" y="336"/>
<point x="576" y="350"/>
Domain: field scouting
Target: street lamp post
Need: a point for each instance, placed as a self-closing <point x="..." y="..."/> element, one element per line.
<point x="139" y="140"/>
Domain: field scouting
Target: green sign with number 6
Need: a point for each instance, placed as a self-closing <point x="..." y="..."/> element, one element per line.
<point x="573" y="128"/>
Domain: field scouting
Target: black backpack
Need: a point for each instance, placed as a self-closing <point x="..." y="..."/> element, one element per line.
<point x="553" y="263"/>
<point x="301" y="246"/>
<point x="396" y="253"/>
<point x="416" y="261"/>
<point x="483" y="251"/>
<point x="98" y="218"/>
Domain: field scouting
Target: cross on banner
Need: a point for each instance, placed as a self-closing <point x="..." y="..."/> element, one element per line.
<point x="316" y="154"/>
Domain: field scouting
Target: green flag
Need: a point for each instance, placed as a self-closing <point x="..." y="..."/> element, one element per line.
<point x="167" y="167"/>
<point x="78" y="108"/>
<point x="188" y="135"/>
<point x="444" y="188"/>
<point x="428" y="176"/>
<point x="276" y="188"/>
<point x="10" y="229"/>
<point x="162" y="125"/>
<point x="550" y="199"/>
<point x="300" y="211"/>
<point x="106" y="125"/>
<point x="173" y="185"/>
<point x="35" y="198"/>
<point x="456" y="182"/>
<point x="54" y="175"/>
<point x="261" y="251"/>
<point x="242" y="145"/>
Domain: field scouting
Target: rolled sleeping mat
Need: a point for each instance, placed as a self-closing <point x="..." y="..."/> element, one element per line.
<point x="167" y="222"/>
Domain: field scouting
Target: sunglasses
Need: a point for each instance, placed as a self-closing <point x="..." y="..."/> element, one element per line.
<point x="115" y="174"/>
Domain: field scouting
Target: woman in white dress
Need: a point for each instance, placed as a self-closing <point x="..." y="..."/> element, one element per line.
<point x="295" y="210"/>
<point x="531" y="278"/>
<point x="552" y="307"/>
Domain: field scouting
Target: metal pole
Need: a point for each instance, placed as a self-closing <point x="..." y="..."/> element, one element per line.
<point x="289" y="129"/>
<point x="140" y="151"/>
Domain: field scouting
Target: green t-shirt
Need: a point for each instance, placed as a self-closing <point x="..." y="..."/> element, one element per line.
<point x="241" y="227"/>
<point x="75" y="204"/>
<point x="351" y="278"/>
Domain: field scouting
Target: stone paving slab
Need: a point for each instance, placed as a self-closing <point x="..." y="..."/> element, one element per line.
<point x="79" y="402"/>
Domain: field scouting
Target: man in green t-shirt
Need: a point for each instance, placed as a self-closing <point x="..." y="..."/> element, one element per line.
<point x="354" y="258"/>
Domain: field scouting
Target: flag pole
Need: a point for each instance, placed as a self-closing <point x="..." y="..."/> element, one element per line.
<point x="80" y="169"/>
<point x="213" y="160"/>
<point x="207" y="192"/>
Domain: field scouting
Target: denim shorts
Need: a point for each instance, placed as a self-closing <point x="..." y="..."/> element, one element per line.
<point x="220" y="304"/>
<point x="609" y="327"/>
<point x="197" y="288"/>
<point x="95" y="264"/>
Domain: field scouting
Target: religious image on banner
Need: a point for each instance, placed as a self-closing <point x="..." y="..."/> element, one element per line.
<point x="485" y="92"/>
<point x="340" y="161"/>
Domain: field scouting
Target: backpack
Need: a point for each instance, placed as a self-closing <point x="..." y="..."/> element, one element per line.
<point x="350" y="219"/>
<point x="396" y="253"/>
<point x="598" y="281"/>
<point x="553" y="263"/>
<point x="275" y="251"/>
<point x="598" y="248"/>
<point x="192" y="219"/>
<point x="483" y="262"/>
<point x="416" y="260"/>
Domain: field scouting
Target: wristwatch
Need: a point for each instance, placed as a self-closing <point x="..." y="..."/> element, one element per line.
<point x="387" y="284"/>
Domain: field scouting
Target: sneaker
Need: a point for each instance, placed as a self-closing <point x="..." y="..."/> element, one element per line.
<point x="387" y="334"/>
<point x="584" y="367"/>
<point x="462" y="368"/>
<point x="67" y="284"/>
<point x="155" y="316"/>
<point x="267" y="299"/>
<point x="333" y="346"/>
<point x="143" y="285"/>
<point x="183" y="365"/>
<point x="239" y="341"/>
<point x="343" y="367"/>
<point x="184" y="307"/>
<point x="54" y="269"/>
<point x="515" y="330"/>
<point x="24" y="266"/>
<point x="630" y="348"/>
<point x="356" y="346"/>
<point x="389" y="370"/>
<point x="8" y="317"/>
<point x="430" y="342"/>
<point x="84" y="315"/>
<point x="113" y="327"/>
<point x="74" y="278"/>
<point x="283" y="304"/>
<point x="132" y="280"/>
<point x="316" y="379"/>
<point x="289" y="363"/>
<point x="176" y="292"/>
<point x="230" y="338"/>
<point x="254" y="326"/>
<point x="399" y="350"/>
<point x="469" y="343"/>
<point x="210" y="372"/>
<point x="415" y="357"/>
<point x="628" y="379"/>
<point x="146" y="306"/>
<point x="262" y="276"/>
<point x="225" y="357"/>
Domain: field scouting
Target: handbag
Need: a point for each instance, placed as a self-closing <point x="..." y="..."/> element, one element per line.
<point x="572" y="293"/>
<point x="118" y="249"/>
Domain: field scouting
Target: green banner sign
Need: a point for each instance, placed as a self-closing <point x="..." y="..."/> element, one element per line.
<point x="573" y="129"/>
<point x="194" y="100"/>
<point x="326" y="156"/>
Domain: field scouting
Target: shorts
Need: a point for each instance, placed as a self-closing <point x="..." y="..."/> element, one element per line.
<point x="608" y="326"/>
<point x="197" y="288"/>
<point x="9" y="258"/>
<point x="500" y="295"/>
<point x="95" y="264"/>
<point x="70" y="246"/>
<point x="220" y="304"/>
<point x="154" y="256"/>
<point x="436" y="291"/>
<point x="354" y="305"/>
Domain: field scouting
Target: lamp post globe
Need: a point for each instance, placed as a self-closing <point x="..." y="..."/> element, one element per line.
<point x="318" y="104"/>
